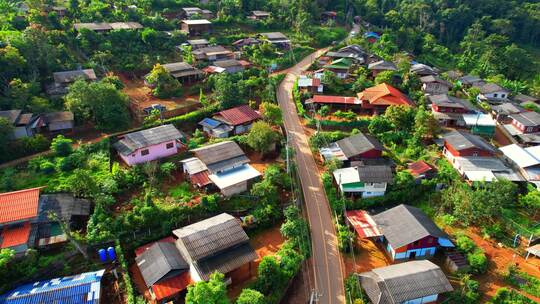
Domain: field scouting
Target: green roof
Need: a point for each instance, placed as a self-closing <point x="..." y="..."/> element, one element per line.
<point x="342" y="63"/>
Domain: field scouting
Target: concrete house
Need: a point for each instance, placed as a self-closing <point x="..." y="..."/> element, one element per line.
<point x="150" y="144"/>
<point x="413" y="282"/>
<point x="378" y="98"/>
<point x="526" y="122"/>
<point x="196" y="27"/>
<point x="381" y="66"/>
<point x="433" y="85"/>
<point x="449" y="110"/>
<point x="227" y="167"/>
<point x="364" y="181"/>
<point x="213" y="53"/>
<point x="354" y="148"/>
<point x="493" y="93"/>
<point x="24" y="125"/>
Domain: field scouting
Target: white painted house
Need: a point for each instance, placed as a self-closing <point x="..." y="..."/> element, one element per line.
<point x="366" y="181"/>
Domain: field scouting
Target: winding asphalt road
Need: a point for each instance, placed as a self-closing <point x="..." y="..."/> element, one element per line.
<point x="326" y="259"/>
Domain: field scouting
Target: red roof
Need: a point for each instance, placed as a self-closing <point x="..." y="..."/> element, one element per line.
<point x="15" y="236"/>
<point x="200" y="179"/>
<point x="143" y="248"/>
<point x="364" y="225"/>
<point x="244" y="63"/>
<point x="334" y="99"/>
<point x="19" y="205"/>
<point x="171" y="286"/>
<point x="420" y="167"/>
<point x="385" y="95"/>
<point x="239" y="115"/>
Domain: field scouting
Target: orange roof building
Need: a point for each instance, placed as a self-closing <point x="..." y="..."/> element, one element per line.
<point x="381" y="96"/>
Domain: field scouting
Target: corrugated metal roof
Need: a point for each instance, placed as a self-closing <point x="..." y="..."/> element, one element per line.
<point x="327" y="99"/>
<point x="362" y="223"/>
<point x="14" y="236"/>
<point x="81" y="288"/>
<point x="403" y="225"/>
<point x="523" y="157"/>
<point x="19" y="205"/>
<point x="11" y="115"/>
<point x="71" y="76"/>
<point x="234" y="176"/>
<point x="375" y="174"/>
<point x="221" y="155"/>
<point x="58" y="116"/>
<point x="196" y="22"/>
<point x="226" y="261"/>
<point x="210" y="237"/>
<point x="171" y="286"/>
<point x="528" y="119"/>
<point x="358" y="144"/>
<point x="385" y="95"/>
<point x="193" y="165"/>
<point x="161" y="261"/>
<point x="125" y="25"/>
<point x="63" y="204"/>
<point x="399" y="283"/>
<point x="382" y="65"/>
<point x="238" y="115"/>
<point x="461" y="140"/>
<point x="92" y="26"/>
<point x="200" y="179"/>
<point x="145" y="138"/>
<point x="419" y="167"/>
<point x="478" y="119"/>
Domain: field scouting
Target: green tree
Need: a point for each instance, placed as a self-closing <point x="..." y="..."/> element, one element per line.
<point x="262" y="137"/>
<point x="250" y="296"/>
<point x="225" y="91"/>
<point x="212" y="292"/>
<point x="270" y="276"/>
<point x="6" y="131"/>
<point x="425" y="125"/>
<point x="100" y="102"/>
<point x="61" y="146"/>
<point x="164" y="85"/>
<point x="271" y="113"/>
<point x="531" y="200"/>
<point x="401" y="117"/>
<point x="385" y="77"/>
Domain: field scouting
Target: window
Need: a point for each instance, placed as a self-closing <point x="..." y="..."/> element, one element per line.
<point x="503" y="95"/>
<point x="475" y="153"/>
<point x="169" y="145"/>
<point x="145" y="152"/>
<point x="495" y="95"/>
<point x="529" y="129"/>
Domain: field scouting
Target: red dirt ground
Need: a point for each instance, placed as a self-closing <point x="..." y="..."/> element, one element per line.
<point x="367" y="256"/>
<point x="265" y="243"/>
<point x="500" y="258"/>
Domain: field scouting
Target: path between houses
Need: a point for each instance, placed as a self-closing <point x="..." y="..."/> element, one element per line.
<point x="326" y="259"/>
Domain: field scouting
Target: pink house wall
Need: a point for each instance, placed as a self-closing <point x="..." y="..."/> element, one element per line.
<point x="155" y="152"/>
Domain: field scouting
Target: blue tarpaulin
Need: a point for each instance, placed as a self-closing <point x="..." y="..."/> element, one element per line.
<point x="445" y="243"/>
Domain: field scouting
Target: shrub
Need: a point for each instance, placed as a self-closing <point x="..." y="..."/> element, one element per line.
<point x="465" y="243"/>
<point x="478" y="261"/>
<point x="61" y="146"/>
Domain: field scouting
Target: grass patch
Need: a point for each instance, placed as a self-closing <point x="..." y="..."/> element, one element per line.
<point x="182" y="192"/>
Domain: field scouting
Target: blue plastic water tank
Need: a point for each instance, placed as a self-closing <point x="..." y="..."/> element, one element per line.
<point x="102" y="255"/>
<point x="112" y="253"/>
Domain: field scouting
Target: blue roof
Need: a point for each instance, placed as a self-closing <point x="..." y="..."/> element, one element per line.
<point x="372" y="34"/>
<point x="83" y="288"/>
<point x="209" y="122"/>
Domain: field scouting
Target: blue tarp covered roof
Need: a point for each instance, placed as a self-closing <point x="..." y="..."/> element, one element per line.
<point x="83" y="288"/>
<point x="372" y="34"/>
<point x="209" y="122"/>
<point x="445" y="243"/>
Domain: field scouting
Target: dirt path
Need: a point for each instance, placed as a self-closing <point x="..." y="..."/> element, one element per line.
<point x="367" y="257"/>
<point x="499" y="260"/>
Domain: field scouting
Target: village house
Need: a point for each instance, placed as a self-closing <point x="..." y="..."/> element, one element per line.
<point x="525" y="160"/>
<point x="503" y="112"/>
<point x="150" y="144"/>
<point x="523" y="99"/>
<point x="259" y="15"/>
<point x="377" y="98"/>
<point x="381" y="66"/>
<point x="406" y="283"/>
<point x="449" y="110"/>
<point x="216" y="244"/>
<point x="405" y="232"/>
<point x="238" y="118"/>
<point x="62" y="80"/>
<point x="196" y="172"/>
<point x="215" y="128"/>
<point x="421" y="170"/>
<point x="312" y="85"/>
<point x="372" y="37"/>
<point x="195" y="12"/>
<point x="24" y="125"/>
<point x="231" y="65"/>
<point x="422" y="70"/>
<point x="353" y="52"/>
<point x="183" y="72"/>
<point x="468" y="81"/>
<point x="58" y="121"/>
<point x="277" y="39"/>
<point x="125" y="26"/>
<point x="212" y="53"/>
<point x="227" y="168"/>
<point x="327" y="16"/>
<point x="364" y="180"/>
<point x="198" y="43"/>
<point x="241" y="43"/>
<point x="493" y="93"/>
<point x="433" y="85"/>
<point x="71" y="289"/>
<point x="526" y="122"/>
<point x="480" y="123"/>
<point x="163" y="270"/>
<point x="25" y="222"/>
<point x="334" y="102"/>
<point x="353" y="148"/>
<point x="100" y="27"/>
<point x="474" y="158"/>
<point x="196" y="27"/>
<point x="341" y="67"/>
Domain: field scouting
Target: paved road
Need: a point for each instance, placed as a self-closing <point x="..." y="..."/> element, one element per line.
<point x="327" y="266"/>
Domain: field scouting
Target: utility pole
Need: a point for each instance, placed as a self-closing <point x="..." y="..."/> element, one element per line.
<point x="314" y="298"/>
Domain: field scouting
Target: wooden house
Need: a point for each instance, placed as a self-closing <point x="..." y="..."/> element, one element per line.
<point x="381" y="66"/>
<point x="259" y="15"/>
<point x="433" y="85"/>
<point x="196" y="27"/>
<point x="378" y="98"/>
<point x="239" y="118"/>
